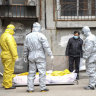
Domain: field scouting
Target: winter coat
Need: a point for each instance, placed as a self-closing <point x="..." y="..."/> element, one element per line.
<point x="74" y="47"/>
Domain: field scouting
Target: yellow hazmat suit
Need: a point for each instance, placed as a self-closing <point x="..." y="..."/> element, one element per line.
<point x="8" y="55"/>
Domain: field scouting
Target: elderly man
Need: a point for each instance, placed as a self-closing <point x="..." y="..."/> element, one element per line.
<point x="89" y="55"/>
<point x="35" y="46"/>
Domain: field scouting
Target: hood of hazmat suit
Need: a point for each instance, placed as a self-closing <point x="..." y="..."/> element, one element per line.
<point x="89" y="46"/>
<point x="86" y="31"/>
<point x="11" y="28"/>
<point x="36" y="27"/>
<point x="8" y="54"/>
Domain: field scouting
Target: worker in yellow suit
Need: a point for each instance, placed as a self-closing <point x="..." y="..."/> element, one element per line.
<point x="8" y="56"/>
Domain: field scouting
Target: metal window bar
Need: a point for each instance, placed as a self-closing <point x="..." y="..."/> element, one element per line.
<point x="21" y="11"/>
<point x="17" y="11"/>
<point x="65" y="10"/>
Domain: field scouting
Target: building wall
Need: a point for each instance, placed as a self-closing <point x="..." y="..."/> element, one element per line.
<point x="57" y="33"/>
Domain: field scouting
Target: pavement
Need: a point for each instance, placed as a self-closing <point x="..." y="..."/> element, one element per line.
<point x="54" y="90"/>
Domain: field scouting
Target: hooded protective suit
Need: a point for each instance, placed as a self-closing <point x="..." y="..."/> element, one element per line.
<point x="8" y="55"/>
<point x="35" y="46"/>
<point x="89" y="55"/>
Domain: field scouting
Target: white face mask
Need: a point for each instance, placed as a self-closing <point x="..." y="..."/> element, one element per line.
<point x="86" y="31"/>
<point x="85" y="34"/>
<point x="83" y="37"/>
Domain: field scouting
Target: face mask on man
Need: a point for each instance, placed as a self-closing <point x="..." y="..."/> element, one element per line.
<point x="76" y="37"/>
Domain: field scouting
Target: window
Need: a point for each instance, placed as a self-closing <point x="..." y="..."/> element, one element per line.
<point x="75" y="9"/>
<point x="68" y="7"/>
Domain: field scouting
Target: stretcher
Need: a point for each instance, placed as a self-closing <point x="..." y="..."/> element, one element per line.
<point x="56" y="77"/>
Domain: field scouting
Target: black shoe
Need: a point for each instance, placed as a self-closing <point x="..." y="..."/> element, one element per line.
<point x="30" y="91"/>
<point x="45" y="90"/>
<point x="89" y="88"/>
<point x="77" y="77"/>
<point x="13" y="87"/>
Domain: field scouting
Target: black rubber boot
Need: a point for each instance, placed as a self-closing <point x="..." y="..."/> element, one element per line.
<point x="77" y="77"/>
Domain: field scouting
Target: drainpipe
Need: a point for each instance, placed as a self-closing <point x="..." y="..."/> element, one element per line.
<point x="45" y="15"/>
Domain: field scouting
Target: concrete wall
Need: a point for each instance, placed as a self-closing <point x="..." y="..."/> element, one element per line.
<point x="58" y="40"/>
<point x="1" y="67"/>
<point x="57" y="33"/>
<point x="22" y="28"/>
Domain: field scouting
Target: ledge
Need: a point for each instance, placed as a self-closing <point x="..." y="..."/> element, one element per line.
<point x="75" y="24"/>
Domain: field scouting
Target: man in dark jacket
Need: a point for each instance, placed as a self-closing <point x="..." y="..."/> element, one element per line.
<point x="74" y="52"/>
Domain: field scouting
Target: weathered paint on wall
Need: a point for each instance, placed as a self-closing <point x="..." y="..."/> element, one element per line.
<point x="57" y="36"/>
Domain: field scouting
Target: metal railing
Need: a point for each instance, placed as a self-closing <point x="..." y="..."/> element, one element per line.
<point x="68" y="10"/>
<point x="17" y="11"/>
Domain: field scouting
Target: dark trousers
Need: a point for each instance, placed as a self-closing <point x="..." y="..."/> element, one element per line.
<point x="74" y="63"/>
